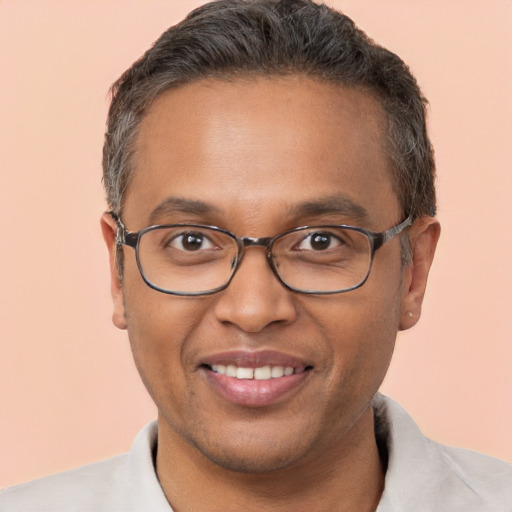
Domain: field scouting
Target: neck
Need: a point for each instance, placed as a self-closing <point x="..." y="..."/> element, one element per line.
<point x="347" y="477"/>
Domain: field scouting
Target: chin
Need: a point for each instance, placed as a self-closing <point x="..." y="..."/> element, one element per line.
<point x="259" y="464"/>
<point x="252" y="459"/>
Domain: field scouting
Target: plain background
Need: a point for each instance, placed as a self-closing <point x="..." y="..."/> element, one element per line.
<point x="69" y="392"/>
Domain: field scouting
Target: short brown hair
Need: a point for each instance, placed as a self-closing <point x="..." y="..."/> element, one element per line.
<point x="231" y="38"/>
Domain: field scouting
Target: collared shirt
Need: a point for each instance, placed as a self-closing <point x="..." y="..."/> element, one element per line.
<point x="422" y="476"/>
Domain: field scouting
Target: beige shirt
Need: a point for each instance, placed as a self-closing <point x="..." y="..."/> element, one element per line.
<point x="422" y="476"/>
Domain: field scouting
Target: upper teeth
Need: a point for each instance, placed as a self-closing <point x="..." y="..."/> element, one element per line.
<point x="261" y="373"/>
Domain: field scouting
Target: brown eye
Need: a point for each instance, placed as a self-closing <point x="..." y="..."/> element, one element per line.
<point x="192" y="241"/>
<point x="319" y="241"/>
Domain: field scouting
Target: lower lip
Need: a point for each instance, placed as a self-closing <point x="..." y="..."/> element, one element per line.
<point x="253" y="392"/>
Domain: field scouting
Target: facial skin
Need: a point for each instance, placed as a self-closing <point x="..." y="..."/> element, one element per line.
<point x="252" y="151"/>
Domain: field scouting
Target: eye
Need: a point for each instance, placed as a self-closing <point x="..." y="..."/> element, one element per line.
<point x="319" y="241"/>
<point x="191" y="241"/>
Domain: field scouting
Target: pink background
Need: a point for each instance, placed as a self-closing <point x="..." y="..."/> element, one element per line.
<point x="69" y="392"/>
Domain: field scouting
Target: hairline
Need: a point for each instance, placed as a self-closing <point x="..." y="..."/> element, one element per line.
<point x="252" y="76"/>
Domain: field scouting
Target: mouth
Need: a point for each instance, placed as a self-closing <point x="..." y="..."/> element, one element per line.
<point x="255" y="379"/>
<point x="260" y="373"/>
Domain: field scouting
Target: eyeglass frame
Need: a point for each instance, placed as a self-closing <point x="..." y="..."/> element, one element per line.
<point x="376" y="239"/>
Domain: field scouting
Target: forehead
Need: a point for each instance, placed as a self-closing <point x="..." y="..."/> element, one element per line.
<point x="261" y="143"/>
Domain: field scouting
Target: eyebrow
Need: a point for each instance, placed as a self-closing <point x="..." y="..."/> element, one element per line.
<point x="335" y="204"/>
<point x="179" y="205"/>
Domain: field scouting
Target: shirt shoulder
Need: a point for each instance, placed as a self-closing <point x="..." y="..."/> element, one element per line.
<point x="123" y="483"/>
<point x="488" y="478"/>
<point x="426" y="476"/>
<point x="100" y="487"/>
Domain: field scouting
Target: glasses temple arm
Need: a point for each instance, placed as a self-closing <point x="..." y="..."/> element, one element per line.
<point x="395" y="230"/>
<point x="121" y="232"/>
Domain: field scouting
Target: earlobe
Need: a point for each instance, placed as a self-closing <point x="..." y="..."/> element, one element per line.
<point x="423" y="239"/>
<point x="109" y="228"/>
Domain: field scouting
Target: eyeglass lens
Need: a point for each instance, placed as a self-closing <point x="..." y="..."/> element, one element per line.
<point x="186" y="259"/>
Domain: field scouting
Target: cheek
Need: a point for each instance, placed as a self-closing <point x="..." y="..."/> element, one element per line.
<point x="157" y="320"/>
<point x="361" y="329"/>
<point x="159" y="327"/>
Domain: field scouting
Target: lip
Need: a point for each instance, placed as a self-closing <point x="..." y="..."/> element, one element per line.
<point x="249" y="359"/>
<point x="252" y="392"/>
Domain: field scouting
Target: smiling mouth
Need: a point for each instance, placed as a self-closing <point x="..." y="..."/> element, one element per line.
<point x="260" y="373"/>
<point x="255" y="379"/>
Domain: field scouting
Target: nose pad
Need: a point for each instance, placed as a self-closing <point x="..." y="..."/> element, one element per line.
<point x="255" y="298"/>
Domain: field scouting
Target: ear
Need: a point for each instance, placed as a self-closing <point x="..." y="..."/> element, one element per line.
<point x="423" y="237"/>
<point x="109" y="230"/>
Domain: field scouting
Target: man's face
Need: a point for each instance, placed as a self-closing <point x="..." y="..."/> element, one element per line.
<point x="254" y="153"/>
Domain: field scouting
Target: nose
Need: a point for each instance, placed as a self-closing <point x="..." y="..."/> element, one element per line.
<point x="255" y="298"/>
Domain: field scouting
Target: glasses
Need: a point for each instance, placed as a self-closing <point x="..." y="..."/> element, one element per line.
<point x="191" y="259"/>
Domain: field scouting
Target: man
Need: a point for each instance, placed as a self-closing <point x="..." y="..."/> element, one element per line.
<point x="271" y="228"/>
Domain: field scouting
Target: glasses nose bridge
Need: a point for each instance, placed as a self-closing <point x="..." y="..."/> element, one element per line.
<point x="250" y="241"/>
